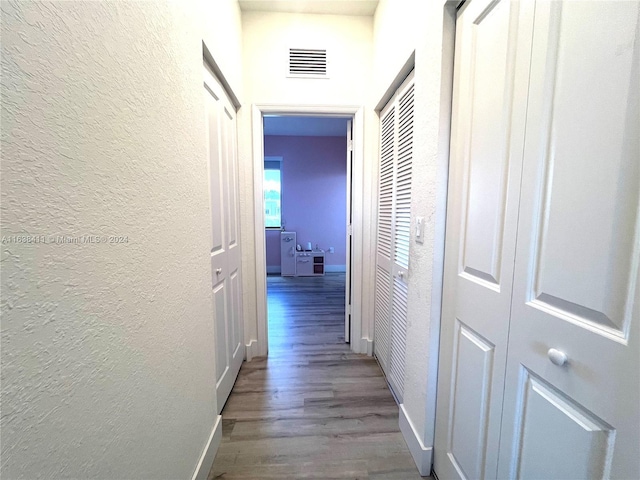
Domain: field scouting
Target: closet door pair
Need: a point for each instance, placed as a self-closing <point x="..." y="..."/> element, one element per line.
<point x="393" y="234"/>
<point x="539" y="361"/>
<point x="225" y="233"/>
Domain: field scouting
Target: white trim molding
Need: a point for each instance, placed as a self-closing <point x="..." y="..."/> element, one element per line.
<point x="209" y="453"/>
<point x="366" y="346"/>
<point x="356" y="112"/>
<point x="423" y="456"/>
<point x="251" y="350"/>
<point x="213" y="65"/>
<point x="276" y="269"/>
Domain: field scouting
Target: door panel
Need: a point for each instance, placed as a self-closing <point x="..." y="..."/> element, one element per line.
<point x="471" y="388"/>
<point x="220" y="311"/>
<point x="484" y="208"/>
<point x="573" y="442"/>
<point x="217" y="172"/>
<point x="576" y="274"/>
<point x="577" y="204"/>
<point x="385" y="193"/>
<point x="403" y="180"/>
<point x="236" y="301"/>
<point x="398" y="345"/>
<point x="490" y="85"/>
<point x="232" y="181"/>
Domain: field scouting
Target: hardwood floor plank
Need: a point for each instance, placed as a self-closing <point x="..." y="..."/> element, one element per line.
<point x="312" y="409"/>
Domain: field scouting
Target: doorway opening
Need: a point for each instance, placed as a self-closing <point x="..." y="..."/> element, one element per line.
<point x="308" y="182"/>
<point x="307" y="211"/>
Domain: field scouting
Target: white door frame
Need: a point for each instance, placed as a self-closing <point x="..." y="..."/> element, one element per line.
<point x="358" y="345"/>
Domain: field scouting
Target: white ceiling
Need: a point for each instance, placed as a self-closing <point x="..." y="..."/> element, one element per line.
<point x="333" y="7"/>
<point x="305" y="126"/>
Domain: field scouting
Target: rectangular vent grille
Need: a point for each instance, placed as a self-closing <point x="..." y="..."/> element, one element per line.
<point x="306" y="62"/>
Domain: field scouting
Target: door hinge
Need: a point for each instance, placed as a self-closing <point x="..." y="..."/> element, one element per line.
<point x="350" y="145"/>
<point x="349" y="230"/>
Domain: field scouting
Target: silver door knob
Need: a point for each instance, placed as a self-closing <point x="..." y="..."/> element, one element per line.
<point x="401" y="275"/>
<point x="218" y="271"/>
<point x="557" y="357"/>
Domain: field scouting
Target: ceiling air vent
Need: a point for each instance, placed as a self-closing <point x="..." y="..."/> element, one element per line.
<point x="307" y="62"/>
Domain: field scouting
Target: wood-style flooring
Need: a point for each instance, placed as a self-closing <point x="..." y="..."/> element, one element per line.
<point x="311" y="409"/>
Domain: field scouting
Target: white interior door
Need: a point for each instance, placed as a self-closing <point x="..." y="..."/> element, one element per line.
<point x="490" y="85"/>
<point x="225" y="250"/>
<point x="576" y="287"/>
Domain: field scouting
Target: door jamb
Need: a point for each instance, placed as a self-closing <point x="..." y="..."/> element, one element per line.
<point x="358" y="344"/>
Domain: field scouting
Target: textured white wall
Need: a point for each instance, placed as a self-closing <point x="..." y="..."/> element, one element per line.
<point x="107" y="350"/>
<point x="266" y="39"/>
<point x="223" y="37"/>
<point x="401" y="27"/>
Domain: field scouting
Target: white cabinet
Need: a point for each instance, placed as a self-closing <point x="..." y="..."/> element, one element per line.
<point x="310" y="263"/>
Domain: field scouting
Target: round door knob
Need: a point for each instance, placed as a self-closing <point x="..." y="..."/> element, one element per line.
<point x="557" y="357"/>
<point x="401" y="274"/>
<point x="218" y="271"/>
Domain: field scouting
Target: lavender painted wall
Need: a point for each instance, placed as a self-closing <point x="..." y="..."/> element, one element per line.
<point x="314" y="190"/>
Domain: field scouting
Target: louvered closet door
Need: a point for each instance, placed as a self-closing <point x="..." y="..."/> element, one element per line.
<point x="394" y="230"/>
<point x="402" y="235"/>
<point x="385" y="237"/>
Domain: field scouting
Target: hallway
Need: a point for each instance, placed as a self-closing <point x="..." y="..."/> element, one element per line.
<point x="312" y="409"/>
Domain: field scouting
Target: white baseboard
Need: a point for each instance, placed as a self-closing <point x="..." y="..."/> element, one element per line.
<point x="251" y="350"/>
<point x="209" y="453"/>
<point x="335" y="268"/>
<point x="422" y="455"/>
<point x="366" y="346"/>
<point x="275" y="269"/>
